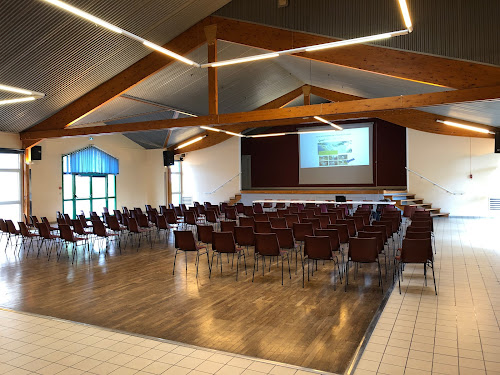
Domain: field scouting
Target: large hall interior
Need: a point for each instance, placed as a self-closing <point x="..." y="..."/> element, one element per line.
<point x="249" y="187"/>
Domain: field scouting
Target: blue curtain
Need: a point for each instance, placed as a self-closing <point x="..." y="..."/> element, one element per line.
<point x="90" y="160"/>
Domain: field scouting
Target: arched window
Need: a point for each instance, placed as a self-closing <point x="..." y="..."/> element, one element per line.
<point x="89" y="181"/>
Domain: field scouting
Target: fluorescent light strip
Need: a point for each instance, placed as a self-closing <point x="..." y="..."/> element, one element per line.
<point x="118" y="30"/>
<point x="235" y="134"/>
<point x="347" y="42"/>
<point x="211" y="129"/>
<point x="17" y="90"/>
<point x="243" y="59"/>
<point x="406" y="14"/>
<point x="328" y="122"/>
<point x="190" y="142"/>
<point x="467" y="127"/>
<point x="17" y="100"/>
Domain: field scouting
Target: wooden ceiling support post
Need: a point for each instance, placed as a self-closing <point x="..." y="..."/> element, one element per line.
<point x="26" y="181"/>
<point x="307" y="94"/>
<point x="213" y="88"/>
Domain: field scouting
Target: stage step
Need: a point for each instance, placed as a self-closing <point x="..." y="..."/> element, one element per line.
<point x="233" y="200"/>
<point x="404" y="198"/>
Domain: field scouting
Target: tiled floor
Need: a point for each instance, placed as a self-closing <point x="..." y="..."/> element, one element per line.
<point x="31" y="344"/>
<point x="456" y="332"/>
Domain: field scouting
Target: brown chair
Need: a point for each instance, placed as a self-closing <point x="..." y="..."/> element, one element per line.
<point x="310" y="212"/>
<point x="314" y="221"/>
<point x="27" y="236"/>
<point x="223" y="243"/>
<point x="324" y="220"/>
<point x="247" y="222"/>
<point x="318" y="248"/>
<point x="81" y="231"/>
<point x="100" y="232"/>
<point x="184" y="241"/>
<point x="359" y="222"/>
<point x="135" y="231"/>
<point x="272" y="214"/>
<point x="68" y="237"/>
<point x="46" y="221"/>
<point x="266" y="245"/>
<point x="13" y="234"/>
<point x="280" y="205"/>
<point x="47" y="238"/>
<point x="343" y="234"/>
<point x="257" y="208"/>
<point x="301" y="230"/>
<point x="333" y="217"/>
<point x="351" y="226"/>
<point x="363" y="250"/>
<point x="28" y="221"/>
<point x="261" y="217"/>
<point x="248" y="211"/>
<point x="227" y="226"/>
<point x="190" y="219"/>
<point x="380" y="244"/>
<point x="204" y="233"/>
<point x="262" y="227"/>
<point x="416" y="251"/>
<point x="244" y="236"/>
<point x="267" y="205"/>
<point x="283" y="212"/>
<point x="290" y="219"/>
<point x="230" y="213"/>
<point x="278" y="222"/>
<point x="211" y="217"/>
<point x="287" y="242"/>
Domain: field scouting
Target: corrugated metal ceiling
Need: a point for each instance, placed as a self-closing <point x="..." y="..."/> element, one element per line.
<point x="48" y="50"/>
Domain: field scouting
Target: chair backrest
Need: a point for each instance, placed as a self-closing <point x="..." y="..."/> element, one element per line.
<point x="408" y="211"/>
<point x="77" y="227"/>
<point x="262" y="227"/>
<point x="189" y="218"/>
<point x="343" y="231"/>
<point x="133" y="226"/>
<point x="227" y="226"/>
<point x="351" y="226"/>
<point x="261" y="217"/>
<point x="171" y="216"/>
<point x="333" y="217"/>
<point x="240" y="208"/>
<point x="45" y="221"/>
<point x="318" y="247"/>
<point x="60" y="220"/>
<point x="314" y="221"/>
<point x="418" y="235"/>
<point x="293" y="210"/>
<point x="99" y="229"/>
<point x="125" y="211"/>
<point x="11" y="227"/>
<point x="422" y="219"/>
<point x="267" y="244"/>
<point x="3" y="226"/>
<point x="161" y="222"/>
<point x="83" y="221"/>
<point x="411" y="229"/>
<point x="244" y="236"/>
<point x="23" y="228"/>
<point x="302" y="215"/>
<point x="359" y="222"/>
<point x="66" y="233"/>
<point x="333" y="234"/>
<point x="184" y="240"/>
<point x="290" y="219"/>
<point x="309" y="212"/>
<point x="377" y="228"/>
<point x="422" y="224"/>
<point x="142" y="220"/>
<point x="416" y="250"/>
<point x="210" y="215"/>
<point x="223" y="242"/>
<point x="34" y="219"/>
<point x="378" y="235"/>
<point x="282" y="212"/>
<point x="257" y="208"/>
<point x="280" y="205"/>
<point x="43" y="230"/>
<point x="323" y="208"/>
<point x="113" y="223"/>
<point x="231" y="213"/>
<point x="324" y="220"/>
<point x="204" y="233"/>
<point x="285" y="237"/>
<point x="416" y="214"/>
<point x="247" y="222"/>
<point x="363" y="249"/>
<point x="278" y="222"/>
<point x="248" y="211"/>
<point x="387" y="224"/>
<point x="272" y="214"/>
<point x="301" y="230"/>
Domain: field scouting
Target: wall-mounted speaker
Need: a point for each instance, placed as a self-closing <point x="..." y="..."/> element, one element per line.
<point x="497" y="143"/>
<point x="168" y="158"/>
<point x="36" y="153"/>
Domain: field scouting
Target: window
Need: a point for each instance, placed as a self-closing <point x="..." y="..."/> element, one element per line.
<point x="10" y="188"/>
<point x="176" y="182"/>
<point x="89" y="181"/>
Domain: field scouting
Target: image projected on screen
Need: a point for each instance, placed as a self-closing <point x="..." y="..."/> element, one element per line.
<point x="349" y="147"/>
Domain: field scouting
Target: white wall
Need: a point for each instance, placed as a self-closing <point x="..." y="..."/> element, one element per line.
<point x="10" y="140"/>
<point x="448" y="161"/>
<point x="207" y="169"/>
<point x="137" y="183"/>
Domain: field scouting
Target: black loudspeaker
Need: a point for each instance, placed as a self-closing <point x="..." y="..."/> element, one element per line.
<point x="340" y="198"/>
<point x="497" y="143"/>
<point x="168" y="158"/>
<point x="36" y="153"/>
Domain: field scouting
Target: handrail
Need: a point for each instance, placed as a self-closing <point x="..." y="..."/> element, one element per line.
<point x="432" y="182"/>
<point x="225" y="183"/>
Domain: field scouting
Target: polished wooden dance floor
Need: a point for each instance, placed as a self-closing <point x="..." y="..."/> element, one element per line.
<point x="313" y="327"/>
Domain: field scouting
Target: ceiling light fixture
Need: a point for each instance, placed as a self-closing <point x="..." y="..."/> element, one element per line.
<point x="118" y="30"/>
<point x="17" y="100"/>
<point x="467" y="127"/>
<point x="197" y="139"/>
<point x="211" y="129"/>
<point x="235" y="134"/>
<point x="328" y="122"/>
<point x="406" y="14"/>
<point x="402" y="4"/>
<point x="17" y="90"/>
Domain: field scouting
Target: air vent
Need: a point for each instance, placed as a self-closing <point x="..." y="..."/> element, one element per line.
<point x="494" y="204"/>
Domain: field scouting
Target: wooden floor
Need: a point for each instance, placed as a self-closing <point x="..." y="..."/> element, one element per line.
<point x="313" y="327"/>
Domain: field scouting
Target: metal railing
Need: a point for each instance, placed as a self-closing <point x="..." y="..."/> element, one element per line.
<point x="432" y="182"/>
<point x="224" y="184"/>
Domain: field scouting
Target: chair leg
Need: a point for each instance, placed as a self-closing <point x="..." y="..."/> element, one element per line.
<point x="346" y="275"/>
<point x="434" y="278"/>
<point x="256" y="259"/>
<point x="281" y="270"/>
<point x="380" y="276"/>
<point x="399" y="276"/>
<point x="175" y="257"/>
<point x="425" y="273"/>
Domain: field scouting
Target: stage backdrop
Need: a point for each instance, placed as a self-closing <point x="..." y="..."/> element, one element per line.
<point x="275" y="160"/>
